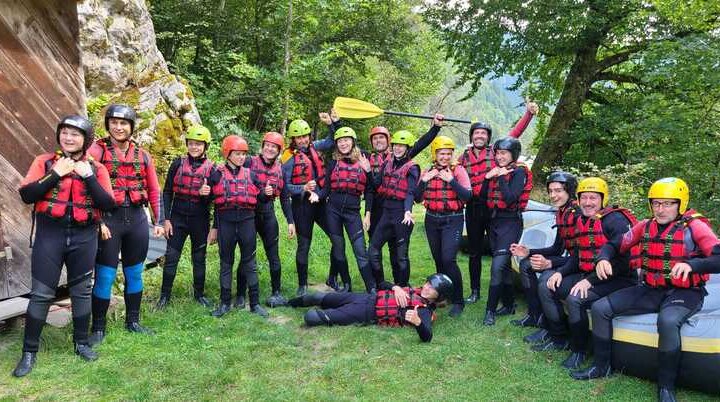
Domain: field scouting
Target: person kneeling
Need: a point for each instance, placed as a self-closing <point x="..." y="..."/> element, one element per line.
<point x="392" y="306"/>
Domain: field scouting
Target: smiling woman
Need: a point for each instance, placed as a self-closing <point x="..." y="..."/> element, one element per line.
<point x="41" y="80"/>
<point x="68" y="191"/>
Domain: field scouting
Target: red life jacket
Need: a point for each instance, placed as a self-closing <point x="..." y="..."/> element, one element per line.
<point x="660" y="251"/>
<point x="477" y="166"/>
<point x="348" y="178"/>
<point x="387" y="311"/>
<point x="589" y="236"/>
<point x="303" y="170"/>
<point x="268" y="175"/>
<point x="565" y="219"/>
<point x="439" y="196"/>
<point x="70" y="191"/>
<point x="395" y="184"/>
<point x="235" y="192"/>
<point x="126" y="176"/>
<point x="187" y="181"/>
<point x="377" y="159"/>
<point x="495" y="197"/>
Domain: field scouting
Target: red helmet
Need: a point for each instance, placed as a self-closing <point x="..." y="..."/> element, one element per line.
<point x="274" y="138"/>
<point x="380" y="130"/>
<point x="233" y="143"/>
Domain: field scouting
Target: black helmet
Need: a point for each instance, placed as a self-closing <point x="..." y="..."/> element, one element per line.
<point x="80" y="123"/>
<point x="480" y="124"/>
<point x="124" y="112"/>
<point x="568" y="179"/>
<point x="442" y="284"/>
<point x="509" y="144"/>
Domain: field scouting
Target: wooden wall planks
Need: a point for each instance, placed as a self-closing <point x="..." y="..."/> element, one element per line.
<point x="41" y="80"/>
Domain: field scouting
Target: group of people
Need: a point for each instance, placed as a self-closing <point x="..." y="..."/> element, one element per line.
<point x="89" y="206"/>
<point x="605" y="261"/>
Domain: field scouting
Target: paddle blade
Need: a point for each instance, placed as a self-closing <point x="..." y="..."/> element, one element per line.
<point x="350" y="108"/>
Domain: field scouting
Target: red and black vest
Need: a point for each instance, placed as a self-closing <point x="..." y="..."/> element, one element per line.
<point x="188" y="180"/>
<point x="589" y="236"/>
<point x="565" y="219"/>
<point x="495" y="197"/>
<point x="303" y="169"/>
<point x="439" y="196"/>
<point x="477" y="166"/>
<point x="660" y="251"/>
<point x="127" y="176"/>
<point x="235" y="191"/>
<point x="377" y="159"/>
<point x="387" y="311"/>
<point x="348" y="178"/>
<point x="395" y="184"/>
<point x="271" y="175"/>
<point x="70" y="191"/>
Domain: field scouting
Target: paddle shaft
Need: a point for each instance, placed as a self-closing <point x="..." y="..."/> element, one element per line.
<point x="422" y="116"/>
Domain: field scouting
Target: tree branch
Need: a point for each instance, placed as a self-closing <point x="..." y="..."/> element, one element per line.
<point x="625" y="53"/>
<point x="617" y="77"/>
<point x="597" y="98"/>
<point x="620" y="57"/>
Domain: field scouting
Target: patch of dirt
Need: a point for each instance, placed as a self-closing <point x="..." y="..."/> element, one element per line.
<point x="321" y="287"/>
<point x="279" y="319"/>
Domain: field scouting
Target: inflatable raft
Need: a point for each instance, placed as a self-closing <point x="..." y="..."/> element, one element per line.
<point x="635" y="338"/>
<point x="635" y="342"/>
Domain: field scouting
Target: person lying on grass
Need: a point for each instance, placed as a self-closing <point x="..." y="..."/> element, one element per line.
<point x="391" y="306"/>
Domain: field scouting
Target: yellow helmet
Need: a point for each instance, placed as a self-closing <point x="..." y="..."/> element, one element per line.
<point x="595" y="185"/>
<point x="441" y="142"/>
<point x="343" y="132"/>
<point x="198" y="133"/>
<point x="671" y="188"/>
<point x="404" y="137"/>
<point x="298" y="128"/>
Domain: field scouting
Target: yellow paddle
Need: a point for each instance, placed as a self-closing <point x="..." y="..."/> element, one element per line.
<point x="356" y="109"/>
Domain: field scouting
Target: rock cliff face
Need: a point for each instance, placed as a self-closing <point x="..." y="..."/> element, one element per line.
<point x="122" y="64"/>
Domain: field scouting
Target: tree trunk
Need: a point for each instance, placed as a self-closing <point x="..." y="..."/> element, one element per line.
<point x="256" y="120"/>
<point x="286" y="70"/>
<point x="219" y="21"/>
<point x="569" y="108"/>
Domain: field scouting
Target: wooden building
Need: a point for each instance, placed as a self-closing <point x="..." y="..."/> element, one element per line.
<point x="41" y="80"/>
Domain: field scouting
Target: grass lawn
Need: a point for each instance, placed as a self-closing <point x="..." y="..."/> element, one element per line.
<point x="241" y="356"/>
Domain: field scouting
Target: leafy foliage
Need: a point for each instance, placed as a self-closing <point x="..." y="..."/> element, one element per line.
<point x="633" y="83"/>
<point x="233" y="51"/>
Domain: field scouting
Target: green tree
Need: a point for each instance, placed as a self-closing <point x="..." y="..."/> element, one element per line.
<point x="252" y="70"/>
<point x="567" y="52"/>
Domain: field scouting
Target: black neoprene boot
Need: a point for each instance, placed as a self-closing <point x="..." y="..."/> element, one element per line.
<point x="25" y="365"/>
